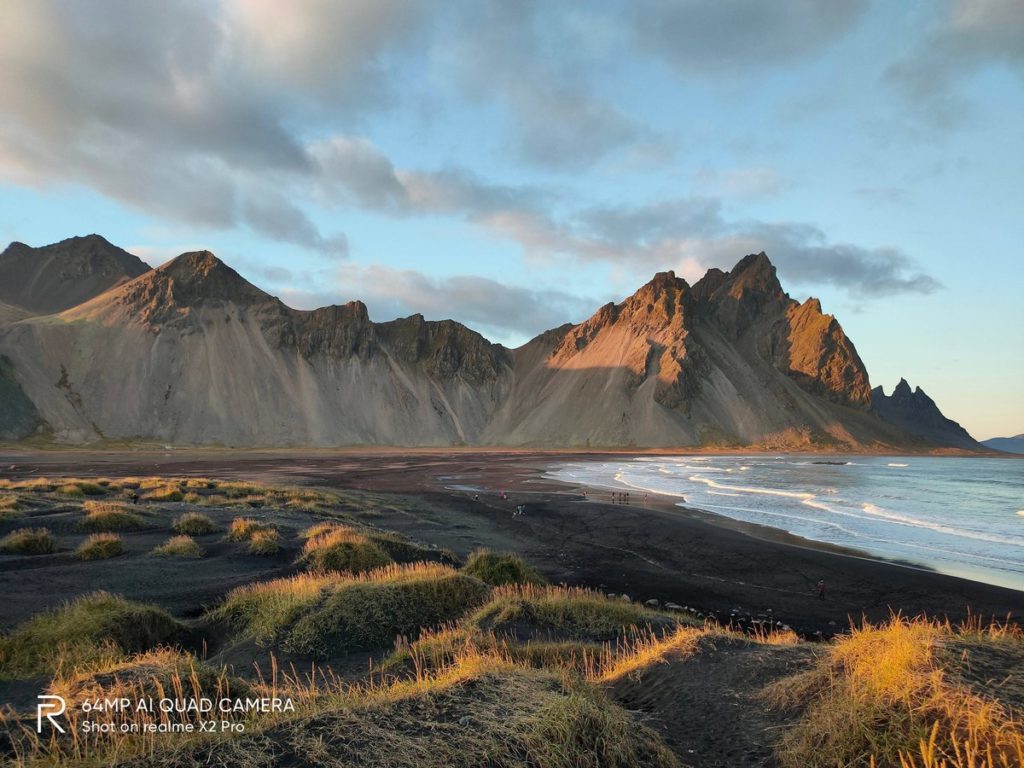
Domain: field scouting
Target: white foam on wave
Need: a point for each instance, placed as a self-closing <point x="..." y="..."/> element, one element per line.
<point x="894" y="464"/>
<point x="1020" y="512"/>
<point x="914" y="522"/>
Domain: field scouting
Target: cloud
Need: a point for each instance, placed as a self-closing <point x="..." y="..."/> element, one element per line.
<point x="973" y="35"/>
<point x="178" y="111"/>
<point x="333" y="51"/>
<point x="690" y="231"/>
<point x="729" y="38"/>
<point x="274" y="217"/>
<point x="537" y="65"/>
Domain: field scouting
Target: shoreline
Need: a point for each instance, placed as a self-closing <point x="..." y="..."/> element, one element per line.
<point x="781" y="535"/>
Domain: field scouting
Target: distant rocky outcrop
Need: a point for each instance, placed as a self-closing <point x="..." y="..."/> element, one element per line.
<point x="192" y="353"/>
<point x="60" y="276"/>
<point x="917" y="414"/>
<point x="1006" y="444"/>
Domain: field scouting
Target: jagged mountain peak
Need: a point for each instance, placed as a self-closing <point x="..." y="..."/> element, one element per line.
<point x="754" y="272"/>
<point x="199" y="276"/>
<point x="917" y="414"/>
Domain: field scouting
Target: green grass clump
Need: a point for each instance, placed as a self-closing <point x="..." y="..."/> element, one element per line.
<point x="339" y="548"/>
<point x="499" y="569"/>
<point x="243" y="528"/>
<point x="71" y="489"/>
<point x="324" y="613"/>
<point x="180" y="546"/>
<point x="109" y="516"/>
<point x="92" y="628"/>
<point x="100" y="546"/>
<point x="564" y="613"/>
<point x="29" y="541"/>
<point x="265" y="543"/>
<point x="195" y="524"/>
<point x="265" y="610"/>
<point x="370" y="610"/>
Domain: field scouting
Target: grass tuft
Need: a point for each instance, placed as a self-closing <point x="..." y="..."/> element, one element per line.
<point x="334" y="547"/>
<point x="100" y="546"/>
<point x="29" y="541"/>
<point x="195" y="524"/>
<point x="166" y="492"/>
<point x="544" y="612"/>
<point x="180" y="546"/>
<point x="242" y="528"/>
<point x="109" y="516"/>
<point x="500" y="569"/>
<point x="265" y="543"/>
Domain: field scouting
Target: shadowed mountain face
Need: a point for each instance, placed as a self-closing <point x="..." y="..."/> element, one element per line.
<point x="192" y="353"/>
<point x="919" y="416"/>
<point x="56" y="277"/>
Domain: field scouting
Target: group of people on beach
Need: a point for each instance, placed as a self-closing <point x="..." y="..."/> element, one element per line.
<point x="622" y="498"/>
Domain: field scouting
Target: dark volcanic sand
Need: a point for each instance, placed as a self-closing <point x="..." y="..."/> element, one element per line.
<point x="654" y="551"/>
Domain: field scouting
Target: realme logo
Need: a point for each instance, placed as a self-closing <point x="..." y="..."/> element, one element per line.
<point x="49" y="707"/>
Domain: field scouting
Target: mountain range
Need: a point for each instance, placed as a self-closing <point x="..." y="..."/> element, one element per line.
<point x="1013" y="444"/>
<point x="96" y="345"/>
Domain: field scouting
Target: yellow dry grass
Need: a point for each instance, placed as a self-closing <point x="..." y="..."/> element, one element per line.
<point x="891" y="695"/>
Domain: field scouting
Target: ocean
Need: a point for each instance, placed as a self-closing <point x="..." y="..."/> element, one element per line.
<point x="961" y="516"/>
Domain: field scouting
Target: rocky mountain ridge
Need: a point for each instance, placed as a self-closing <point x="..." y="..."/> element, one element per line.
<point x="62" y="275"/>
<point x="193" y="353"/>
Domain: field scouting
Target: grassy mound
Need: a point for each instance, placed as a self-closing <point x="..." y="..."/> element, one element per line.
<point x="180" y="546"/>
<point x="164" y="672"/>
<point x="322" y="614"/>
<point x="902" y="694"/>
<point x="90" y="629"/>
<point x="109" y="516"/>
<point x="29" y="541"/>
<point x="480" y="711"/>
<point x="435" y="650"/>
<point x="501" y="569"/>
<point x="266" y="610"/>
<point x="528" y="611"/>
<point x="100" y="546"/>
<point x="195" y="524"/>
<point x="340" y="548"/>
<point x="371" y="610"/>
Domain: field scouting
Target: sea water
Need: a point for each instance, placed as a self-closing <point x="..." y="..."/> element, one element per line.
<point x="962" y="516"/>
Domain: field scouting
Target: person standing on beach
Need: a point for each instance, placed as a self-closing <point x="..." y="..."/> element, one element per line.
<point x="821" y="589"/>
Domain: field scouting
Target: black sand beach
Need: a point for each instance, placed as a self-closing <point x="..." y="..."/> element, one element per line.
<point x="653" y="551"/>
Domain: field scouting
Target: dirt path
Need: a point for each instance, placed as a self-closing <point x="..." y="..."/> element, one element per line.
<point x="708" y="706"/>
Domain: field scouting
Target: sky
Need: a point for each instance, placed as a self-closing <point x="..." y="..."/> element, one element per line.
<point x="514" y="165"/>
